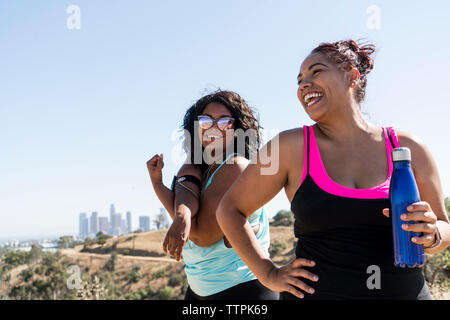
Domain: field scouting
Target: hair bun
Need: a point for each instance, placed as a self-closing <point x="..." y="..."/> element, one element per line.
<point x="347" y="54"/>
<point x="353" y="46"/>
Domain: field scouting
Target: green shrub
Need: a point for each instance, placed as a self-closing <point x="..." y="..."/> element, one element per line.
<point x="159" y="274"/>
<point x="40" y="270"/>
<point x="277" y="246"/>
<point x="437" y="269"/>
<point x="26" y="275"/>
<point x="283" y="218"/>
<point x="134" y="277"/>
<point x="110" y="265"/>
<point x="185" y="285"/>
<point x="133" y="296"/>
<point x="16" y="258"/>
<point x="169" y="267"/>
<point x="136" y="268"/>
<point x="176" y="279"/>
<point x="165" y="293"/>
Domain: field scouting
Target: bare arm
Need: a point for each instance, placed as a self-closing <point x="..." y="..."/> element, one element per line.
<point x="164" y="194"/>
<point x="205" y="230"/>
<point x="430" y="189"/>
<point x="250" y="192"/>
<point x="187" y="194"/>
<point x="185" y="207"/>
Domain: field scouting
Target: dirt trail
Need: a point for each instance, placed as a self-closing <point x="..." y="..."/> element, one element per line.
<point x="75" y="253"/>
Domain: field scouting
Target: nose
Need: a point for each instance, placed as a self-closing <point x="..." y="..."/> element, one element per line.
<point x="304" y="85"/>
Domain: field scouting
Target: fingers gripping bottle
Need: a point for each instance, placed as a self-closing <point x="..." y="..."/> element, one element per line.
<point x="403" y="192"/>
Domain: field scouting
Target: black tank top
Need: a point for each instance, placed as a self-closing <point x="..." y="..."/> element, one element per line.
<point x="347" y="236"/>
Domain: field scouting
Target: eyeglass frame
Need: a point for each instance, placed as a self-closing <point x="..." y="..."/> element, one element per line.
<point x="215" y="121"/>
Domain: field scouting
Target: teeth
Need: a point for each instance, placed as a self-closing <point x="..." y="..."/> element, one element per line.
<point x="310" y="96"/>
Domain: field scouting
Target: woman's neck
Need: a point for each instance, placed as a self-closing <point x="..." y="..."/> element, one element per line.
<point x="346" y="126"/>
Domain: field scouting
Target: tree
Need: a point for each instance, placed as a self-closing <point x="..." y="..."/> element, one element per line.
<point x="16" y="258"/>
<point x="110" y="265"/>
<point x="162" y="221"/>
<point x="283" y="218"/>
<point x="88" y="242"/>
<point x="51" y="282"/>
<point x="101" y="238"/>
<point x="35" y="253"/>
<point x="66" y="242"/>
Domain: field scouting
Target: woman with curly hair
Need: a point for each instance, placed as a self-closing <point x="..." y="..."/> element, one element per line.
<point x="221" y="132"/>
<point x="336" y="175"/>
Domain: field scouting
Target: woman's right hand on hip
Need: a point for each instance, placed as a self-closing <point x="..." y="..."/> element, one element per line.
<point x="285" y="278"/>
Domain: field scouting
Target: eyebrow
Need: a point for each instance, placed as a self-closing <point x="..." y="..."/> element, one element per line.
<point x="311" y="66"/>
<point x="221" y="116"/>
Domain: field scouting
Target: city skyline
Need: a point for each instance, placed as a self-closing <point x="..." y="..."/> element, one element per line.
<point x="83" y="110"/>
<point x="76" y="228"/>
<point x="115" y="225"/>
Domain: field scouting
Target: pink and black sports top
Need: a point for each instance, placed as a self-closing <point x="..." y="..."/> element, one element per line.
<point x="344" y="231"/>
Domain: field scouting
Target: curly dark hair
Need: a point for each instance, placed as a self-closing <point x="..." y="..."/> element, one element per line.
<point x="347" y="54"/>
<point x="244" y="118"/>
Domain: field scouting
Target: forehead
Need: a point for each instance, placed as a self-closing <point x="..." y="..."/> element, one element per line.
<point x="216" y="109"/>
<point x="314" y="58"/>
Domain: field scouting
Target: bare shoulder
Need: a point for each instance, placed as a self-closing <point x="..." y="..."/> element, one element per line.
<point x="189" y="169"/>
<point x="413" y="142"/>
<point x="287" y="141"/>
<point x="294" y="135"/>
<point x="236" y="164"/>
<point x="420" y="154"/>
<point x="292" y="145"/>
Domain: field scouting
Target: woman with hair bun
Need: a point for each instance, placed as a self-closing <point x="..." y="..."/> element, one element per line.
<point x="336" y="174"/>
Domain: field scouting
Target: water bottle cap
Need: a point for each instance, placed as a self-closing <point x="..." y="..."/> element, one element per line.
<point x="401" y="154"/>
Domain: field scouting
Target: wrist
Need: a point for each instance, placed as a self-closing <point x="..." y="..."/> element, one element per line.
<point x="157" y="181"/>
<point x="437" y="240"/>
<point x="183" y="214"/>
<point x="271" y="270"/>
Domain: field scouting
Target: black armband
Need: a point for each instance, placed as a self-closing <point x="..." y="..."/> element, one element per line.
<point x="188" y="178"/>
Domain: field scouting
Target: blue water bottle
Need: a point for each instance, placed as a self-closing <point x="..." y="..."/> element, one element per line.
<point x="403" y="192"/>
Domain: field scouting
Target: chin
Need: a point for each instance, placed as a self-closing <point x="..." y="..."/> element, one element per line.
<point x="315" y="115"/>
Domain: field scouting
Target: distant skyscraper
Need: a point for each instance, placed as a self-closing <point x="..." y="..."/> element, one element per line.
<point x="116" y="224"/>
<point x="144" y="223"/>
<point x="94" y="223"/>
<point x="129" y="226"/>
<point x="83" y="225"/>
<point x="103" y="225"/>
<point x="124" y="226"/>
<point x="112" y="212"/>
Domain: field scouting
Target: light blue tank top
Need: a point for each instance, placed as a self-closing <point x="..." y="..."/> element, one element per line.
<point x="215" y="268"/>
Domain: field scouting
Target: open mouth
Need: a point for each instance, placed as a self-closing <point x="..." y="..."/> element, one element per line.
<point x="212" y="138"/>
<point x="312" y="98"/>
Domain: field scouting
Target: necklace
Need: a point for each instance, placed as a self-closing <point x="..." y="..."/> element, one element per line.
<point x="206" y="175"/>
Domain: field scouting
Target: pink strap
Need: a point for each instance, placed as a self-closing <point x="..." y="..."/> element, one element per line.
<point x="305" y="157"/>
<point x="394" y="137"/>
<point x="319" y="175"/>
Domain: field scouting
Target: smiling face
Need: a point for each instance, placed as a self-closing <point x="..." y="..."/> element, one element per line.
<point x="214" y="137"/>
<point x="322" y="86"/>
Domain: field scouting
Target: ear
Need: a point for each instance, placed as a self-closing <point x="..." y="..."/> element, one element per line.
<point x="354" y="76"/>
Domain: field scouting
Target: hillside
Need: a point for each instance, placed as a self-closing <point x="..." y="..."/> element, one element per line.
<point x="127" y="267"/>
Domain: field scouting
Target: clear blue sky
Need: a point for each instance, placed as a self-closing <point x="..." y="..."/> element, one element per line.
<point x="81" y="111"/>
